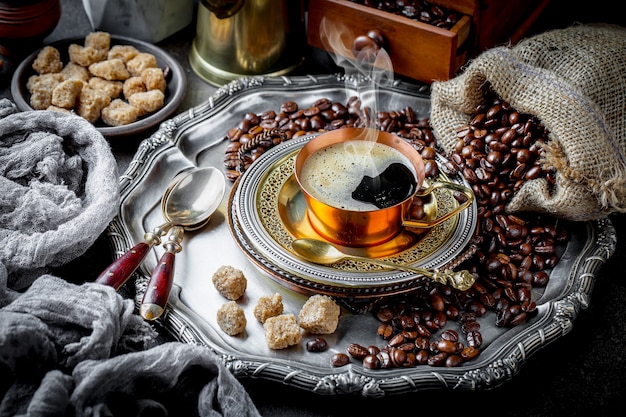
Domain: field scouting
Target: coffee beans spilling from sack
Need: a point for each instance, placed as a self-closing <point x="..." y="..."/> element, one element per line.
<point x="497" y="151"/>
<point x="572" y="81"/>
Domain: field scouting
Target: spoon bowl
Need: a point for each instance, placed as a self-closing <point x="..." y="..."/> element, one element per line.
<point x="195" y="197"/>
<point x="324" y="253"/>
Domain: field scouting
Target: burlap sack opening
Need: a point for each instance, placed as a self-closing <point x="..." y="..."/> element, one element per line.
<point x="574" y="81"/>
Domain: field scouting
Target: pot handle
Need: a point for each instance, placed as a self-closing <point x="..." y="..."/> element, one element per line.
<point x="424" y="191"/>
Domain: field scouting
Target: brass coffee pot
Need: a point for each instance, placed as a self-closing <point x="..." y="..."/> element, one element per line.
<point x="237" y="38"/>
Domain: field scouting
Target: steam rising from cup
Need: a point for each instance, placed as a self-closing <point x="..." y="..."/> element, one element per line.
<point x="365" y="61"/>
<point x="370" y="60"/>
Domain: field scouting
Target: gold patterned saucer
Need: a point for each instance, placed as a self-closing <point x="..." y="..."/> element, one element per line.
<point x="268" y="212"/>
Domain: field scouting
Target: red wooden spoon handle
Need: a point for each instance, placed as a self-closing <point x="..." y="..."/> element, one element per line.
<point x="159" y="287"/>
<point x="121" y="269"/>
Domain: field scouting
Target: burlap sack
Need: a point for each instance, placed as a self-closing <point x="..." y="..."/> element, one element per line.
<point x="574" y="81"/>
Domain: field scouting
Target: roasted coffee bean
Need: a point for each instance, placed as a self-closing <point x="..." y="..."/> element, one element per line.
<point x="371" y="362"/>
<point x="398" y="357"/>
<point x="406" y="346"/>
<point x="422" y="343"/>
<point x="289" y="107"/>
<point x="409" y="334"/>
<point x="318" y="344"/>
<point x="474" y="339"/>
<point x="447" y="346"/>
<point x="385" y="331"/>
<point x="469" y="353"/>
<point x="357" y="351"/>
<point x="470" y="326"/>
<point x="385" y="359"/>
<point x="421" y="356"/>
<point x="438" y="359"/>
<point x="453" y="361"/>
<point x="540" y="279"/>
<point x="396" y="340"/>
<point x="452" y="312"/>
<point x="373" y="350"/>
<point x="450" y="335"/>
<point x="339" y="359"/>
<point x="417" y="211"/>
<point x="423" y="331"/>
<point x="518" y="319"/>
<point x="439" y="320"/>
<point x="431" y="169"/>
<point x="410" y="360"/>
<point x="437" y="302"/>
<point x="384" y="315"/>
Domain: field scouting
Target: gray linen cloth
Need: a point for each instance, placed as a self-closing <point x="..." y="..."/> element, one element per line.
<point x="59" y="188"/>
<point x="80" y="349"/>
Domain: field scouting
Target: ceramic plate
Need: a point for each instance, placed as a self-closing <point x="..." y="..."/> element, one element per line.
<point x="197" y="138"/>
<point x="174" y="94"/>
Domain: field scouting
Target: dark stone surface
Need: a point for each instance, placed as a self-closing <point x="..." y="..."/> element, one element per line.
<point x="581" y="374"/>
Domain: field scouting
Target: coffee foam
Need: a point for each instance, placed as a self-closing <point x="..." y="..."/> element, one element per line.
<point x="332" y="173"/>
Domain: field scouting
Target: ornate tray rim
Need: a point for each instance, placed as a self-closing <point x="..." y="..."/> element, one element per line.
<point x="556" y="320"/>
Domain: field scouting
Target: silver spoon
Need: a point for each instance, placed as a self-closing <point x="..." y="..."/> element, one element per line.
<point x="323" y="253"/>
<point x="120" y="270"/>
<point x="188" y="206"/>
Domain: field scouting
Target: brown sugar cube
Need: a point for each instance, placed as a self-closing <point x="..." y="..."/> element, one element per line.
<point x="98" y="40"/>
<point x="154" y="79"/>
<point x="59" y="109"/>
<point x="40" y="88"/>
<point x="101" y="42"/>
<point x="123" y="52"/>
<point x="112" y="88"/>
<point x="75" y="71"/>
<point x="39" y="81"/>
<point x="140" y="62"/>
<point x="83" y="55"/>
<point x="48" y="60"/>
<point x="282" y="331"/>
<point x="111" y="69"/>
<point x="40" y="99"/>
<point x="148" y="101"/>
<point x="319" y="315"/>
<point x="231" y="318"/>
<point x="133" y="85"/>
<point x="32" y="81"/>
<point x="229" y="281"/>
<point x="90" y="103"/>
<point x="119" y="113"/>
<point x="268" y="306"/>
<point x="66" y="92"/>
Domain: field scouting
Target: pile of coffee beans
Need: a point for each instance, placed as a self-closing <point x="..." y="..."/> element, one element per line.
<point x="511" y="254"/>
<point x="418" y="10"/>
<point x="321" y="116"/>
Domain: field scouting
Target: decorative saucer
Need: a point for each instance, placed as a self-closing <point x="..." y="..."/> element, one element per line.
<point x="267" y="212"/>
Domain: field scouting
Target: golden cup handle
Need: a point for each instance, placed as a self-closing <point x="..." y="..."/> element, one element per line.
<point x="424" y="191"/>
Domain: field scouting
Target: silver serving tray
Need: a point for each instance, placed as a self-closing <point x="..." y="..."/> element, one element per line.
<point x="197" y="138"/>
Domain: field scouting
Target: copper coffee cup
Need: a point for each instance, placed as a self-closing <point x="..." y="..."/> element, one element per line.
<point x="361" y="228"/>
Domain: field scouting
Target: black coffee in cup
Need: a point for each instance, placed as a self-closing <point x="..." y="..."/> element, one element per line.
<point x="379" y="175"/>
<point x="392" y="186"/>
